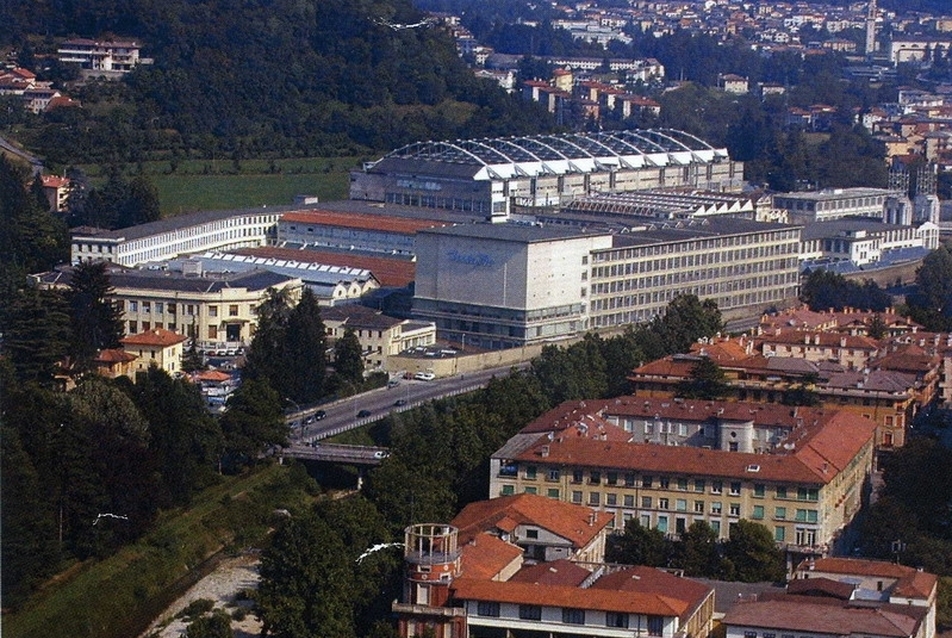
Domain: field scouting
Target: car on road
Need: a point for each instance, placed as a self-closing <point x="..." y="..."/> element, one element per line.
<point x="400" y="402"/>
<point x="424" y="376"/>
<point x="309" y="420"/>
<point x="393" y="383"/>
<point x="381" y="454"/>
<point x="363" y="413"/>
<point x="320" y="414"/>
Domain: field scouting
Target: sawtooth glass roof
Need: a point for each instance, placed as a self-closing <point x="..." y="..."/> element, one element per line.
<point x="528" y="156"/>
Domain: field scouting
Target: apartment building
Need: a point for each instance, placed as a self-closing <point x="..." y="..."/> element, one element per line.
<point x="666" y="463"/>
<point x="108" y="59"/>
<point x="157" y="346"/>
<point x="833" y="203"/>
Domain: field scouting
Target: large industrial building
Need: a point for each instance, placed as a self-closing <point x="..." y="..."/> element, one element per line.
<point x="509" y="285"/>
<point x="491" y="176"/>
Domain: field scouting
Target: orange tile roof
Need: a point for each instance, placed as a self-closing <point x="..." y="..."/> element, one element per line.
<point x="576" y="523"/>
<point x="485" y="556"/>
<point x="825" y="441"/>
<point x="114" y="355"/>
<point x="364" y="221"/>
<point x="653" y="581"/>
<point x="211" y="375"/>
<point x="55" y="181"/>
<point x="556" y="572"/>
<point x="395" y="273"/>
<point x="155" y="337"/>
<point x="910" y="581"/>
<point x="570" y="597"/>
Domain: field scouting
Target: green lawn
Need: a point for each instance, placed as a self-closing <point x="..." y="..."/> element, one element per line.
<point x="219" y="184"/>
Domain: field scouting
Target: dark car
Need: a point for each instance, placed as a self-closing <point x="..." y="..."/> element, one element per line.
<point x="400" y="402"/>
<point x="363" y="413"/>
<point x="320" y="414"/>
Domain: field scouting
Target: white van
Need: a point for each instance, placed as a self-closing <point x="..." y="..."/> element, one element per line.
<point x="424" y="376"/>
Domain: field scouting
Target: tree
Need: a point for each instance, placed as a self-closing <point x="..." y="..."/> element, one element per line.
<point x="931" y="301"/>
<point x="706" y="381"/>
<point x="266" y="354"/>
<point x="752" y="555"/>
<point x="31" y="238"/>
<point x="639" y="546"/>
<point x="37" y="333"/>
<point x="192" y="359"/>
<point x="253" y="421"/>
<point x="215" y="625"/>
<point x="348" y="358"/>
<point x="697" y="551"/>
<point x="685" y="319"/>
<point x="96" y="319"/>
<point x="305" y="347"/>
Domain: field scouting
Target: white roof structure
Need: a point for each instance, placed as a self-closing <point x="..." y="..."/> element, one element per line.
<point x="531" y="156"/>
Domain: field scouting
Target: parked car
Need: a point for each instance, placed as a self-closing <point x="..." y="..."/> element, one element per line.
<point x="320" y="414"/>
<point x="363" y="413"/>
<point x="424" y="376"/>
<point x="392" y="383"/>
<point x="400" y="402"/>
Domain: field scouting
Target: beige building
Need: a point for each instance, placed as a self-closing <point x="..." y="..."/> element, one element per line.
<point x="380" y="336"/>
<point x="667" y="463"/>
<point x="158" y="346"/>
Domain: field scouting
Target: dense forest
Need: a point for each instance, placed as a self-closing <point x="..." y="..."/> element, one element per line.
<point x="251" y="79"/>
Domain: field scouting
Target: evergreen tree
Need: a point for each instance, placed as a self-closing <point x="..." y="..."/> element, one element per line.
<point x="31" y="238"/>
<point x="96" y="319"/>
<point x="348" y="358"/>
<point x="253" y="421"/>
<point x="706" y="381"/>
<point x="192" y="359"/>
<point x="305" y="347"/>
<point x="697" y="551"/>
<point x="37" y="334"/>
<point x="639" y="546"/>
<point x="267" y="357"/>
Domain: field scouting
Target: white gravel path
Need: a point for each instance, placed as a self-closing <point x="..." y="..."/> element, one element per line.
<point x="230" y="577"/>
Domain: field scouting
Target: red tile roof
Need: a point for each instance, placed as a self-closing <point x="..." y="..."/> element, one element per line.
<point x="649" y="580"/>
<point x="570" y="597"/>
<point x="55" y="181"/>
<point x="395" y="273"/>
<point x="824" y="441"/>
<point x="575" y="523"/>
<point x="155" y="337"/>
<point x="910" y="582"/>
<point x="115" y="355"/>
<point x="556" y="572"/>
<point x="825" y="616"/>
<point x="388" y="223"/>
<point x="485" y="556"/>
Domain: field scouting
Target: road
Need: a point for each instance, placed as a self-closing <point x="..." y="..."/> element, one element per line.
<point x="33" y="160"/>
<point x="342" y="415"/>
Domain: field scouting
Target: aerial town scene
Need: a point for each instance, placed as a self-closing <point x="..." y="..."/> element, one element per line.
<point x="476" y="319"/>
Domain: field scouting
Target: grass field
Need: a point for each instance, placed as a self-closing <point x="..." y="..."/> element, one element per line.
<point x="117" y="597"/>
<point x="219" y="184"/>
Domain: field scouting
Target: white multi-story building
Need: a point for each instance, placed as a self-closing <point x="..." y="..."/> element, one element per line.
<point x="109" y="58"/>
<point x="168" y="238"/>
<point x="833" y="203"/>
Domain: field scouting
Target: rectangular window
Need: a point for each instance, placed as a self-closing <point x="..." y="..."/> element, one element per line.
<point x="532" y="533"/>
<point x="213" y="311"/>
<point x="553" y="474"/>
<point x="801" y="516"/>
<point x="159" y="307"/>
<point x="611" y="478"/>
<point x="133" y="306"/>
<point x="683" y="484"/>
<point x="552" y="492"/>
<point x="646" y="481"/>
<point x="699" y="485"/>
<point x="133" y="327"/>
<point x="629" y="500"/>
<point x="716" y="507"/>
<point x="573" y="616"/>
<point x="577" y="476"/>
<point x="508" y="490"/>
<point x="487" y="608"/>
<point x="531" y="472"/>
<point x="717" y="487"/>
<point x="662" y="503"/>
<point x="594" y="478"/>
<point x="233" y="310"/>
<point x="611" y="500"/>
<point x="699" y="507"/>
<point x="530" y="612"/>
<point x="655" y="625"/>
<point x="212" y="331"/>
<point x="663" y="524"/>
<point x="734" y="509"/>
<point x="759" y="490"/>
<point x="781" y="491"/>
<point x="146" y="306"/>
<point x="780" y="513"/>
<point x="665" y="482"/>
<point x="576" y="497"/>
<point x="531" y="490"/>
<point x="681" y="505"/>
<point x="758" y="512"/>
<point x="593" y="498"/>
<point x="735" y="488"/>
<point x="629" y="479"/>
<point x="616" y="619"/>
<point x="645" y="502"/>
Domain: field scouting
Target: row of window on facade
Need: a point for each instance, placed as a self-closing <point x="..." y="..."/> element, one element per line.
<point x="571" y="616"/>
<point x="161" y="307"/>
